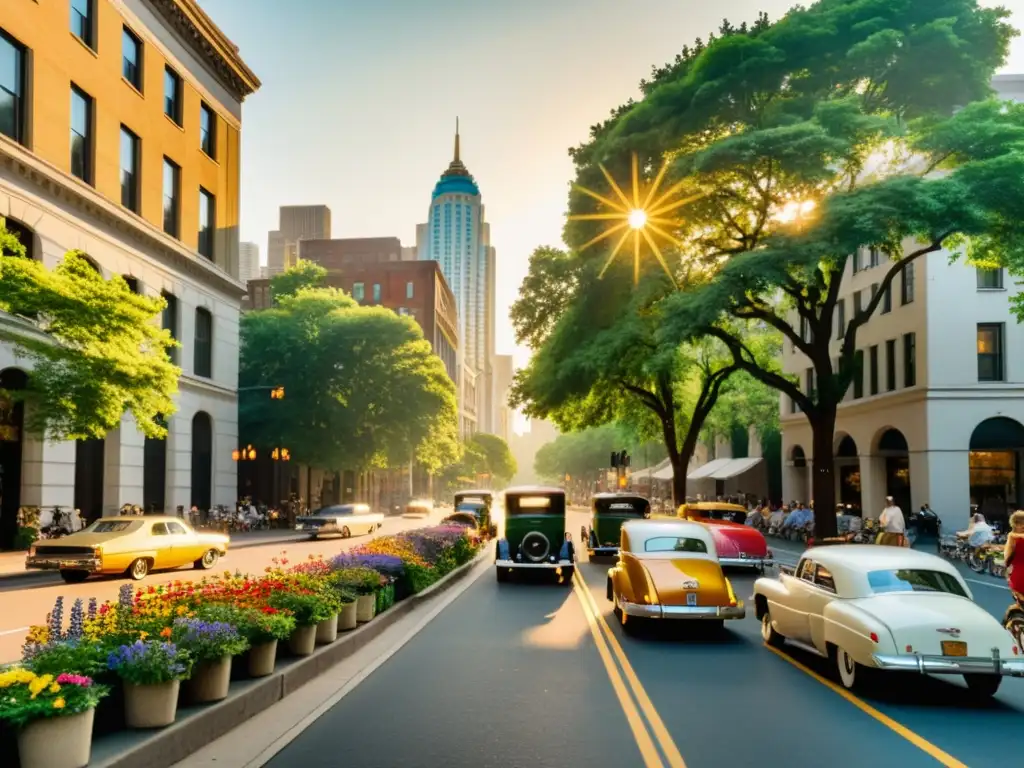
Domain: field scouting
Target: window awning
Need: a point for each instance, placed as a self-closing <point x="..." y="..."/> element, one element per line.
<point x="708" y="470"/>
<point x="665" y="472"/>
<point x="735" y="467"/>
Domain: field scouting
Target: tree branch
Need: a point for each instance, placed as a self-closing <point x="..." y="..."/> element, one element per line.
<point x="754" y="312"/>
<point x="645" y="396"/>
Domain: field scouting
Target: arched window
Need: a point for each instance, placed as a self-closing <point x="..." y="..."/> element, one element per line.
<point x="202" y="461"/>
<point x="203" y="360"/>
<point x="25" y="236"/>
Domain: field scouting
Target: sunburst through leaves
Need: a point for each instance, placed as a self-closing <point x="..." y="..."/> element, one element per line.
<point x="639" y="216"/>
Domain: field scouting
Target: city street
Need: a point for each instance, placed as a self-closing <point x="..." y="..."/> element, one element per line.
<point x="538" y="674"/>
<point x="24" y="602"/>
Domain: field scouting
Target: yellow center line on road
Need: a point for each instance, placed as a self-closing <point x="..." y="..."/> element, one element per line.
<point x="920" y="742"/>
<point x="648" y="751"/>
<point x="668" y="745"/>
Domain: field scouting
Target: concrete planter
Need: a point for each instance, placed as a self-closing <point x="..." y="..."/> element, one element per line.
<point x="327" y="630"/>
<point x="347" y="618"/>
<point x="262" y="658"/>
<point x="366" y="607"/>
<point x="57" y="742"/>
<point x="302" y="641"/>
<point x="209" y="682"/>
<point x="151" y="706"/>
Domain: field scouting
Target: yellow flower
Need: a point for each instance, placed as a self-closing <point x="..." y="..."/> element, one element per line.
<point x="58" y="703"/>
<point x="143" y="635"/>
<point x="55" y="688"/>
<point x="39" y="684"/>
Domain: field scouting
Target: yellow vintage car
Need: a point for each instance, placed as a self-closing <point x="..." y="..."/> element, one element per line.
<point x="669" y="569"/>
<point x="133" y="545"/>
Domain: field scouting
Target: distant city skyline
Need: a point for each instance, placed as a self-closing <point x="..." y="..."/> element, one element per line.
<point x="356" y="111"/>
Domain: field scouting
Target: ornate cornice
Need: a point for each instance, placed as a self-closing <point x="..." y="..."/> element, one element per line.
<point x="62" y="188"/>
<point x="191" y="23"/>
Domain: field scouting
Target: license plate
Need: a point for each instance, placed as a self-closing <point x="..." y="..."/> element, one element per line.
<point x="954" y="648"/>
<point x="691" y="598"/>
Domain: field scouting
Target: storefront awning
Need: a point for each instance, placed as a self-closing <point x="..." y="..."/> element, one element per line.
<point x="708" y="470"/>
<point x="734" y="467"/>
<point x="652" y="472"/>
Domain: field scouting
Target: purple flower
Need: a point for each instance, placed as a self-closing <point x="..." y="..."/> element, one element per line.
<point x="55" y="621"/>
<point x="93" y="608"/>
<point x="75" y="628"/>
<point x="389" y="565"/>
<point x="125" y="596"/>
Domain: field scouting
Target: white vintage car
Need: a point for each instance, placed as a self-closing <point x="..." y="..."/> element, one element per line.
<point x="340" y="520"/>
<point x="874" y="607"/>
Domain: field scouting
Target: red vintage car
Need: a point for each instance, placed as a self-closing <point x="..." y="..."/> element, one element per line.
<point x="738" y="544"/>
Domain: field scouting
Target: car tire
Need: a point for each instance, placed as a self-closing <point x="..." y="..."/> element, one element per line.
<point x="851" y="674"/>
<point x="983" y="686"/>
<point x="138" y="570"/>
<point x="74" y="577"/>
<point x="207" y="561"/>
<point x="536" y="536"/>
<point x="768" y="633"/>
<point x="345" y="532"/>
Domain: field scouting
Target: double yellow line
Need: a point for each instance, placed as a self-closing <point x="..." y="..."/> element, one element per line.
<point x="628" y="689"/>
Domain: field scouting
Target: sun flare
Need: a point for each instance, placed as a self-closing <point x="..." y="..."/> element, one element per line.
<point x="642" y="214"/>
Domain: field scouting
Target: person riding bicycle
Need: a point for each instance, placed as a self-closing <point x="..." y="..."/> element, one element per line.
<point x="1015" y="574"/>
<point x="978" y="533"/>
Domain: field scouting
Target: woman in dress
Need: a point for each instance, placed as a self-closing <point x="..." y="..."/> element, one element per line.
<point x="1015" y="546"/>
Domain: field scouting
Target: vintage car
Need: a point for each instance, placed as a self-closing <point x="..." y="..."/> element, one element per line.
<point x="481" y="503"/>
<point x="340" y="520"/>
<point x="738" y="544"/>
<point x="608" y="512"/>
<point x="868" y="608"/>
<point x="534" y="535"/>
<point x="668" y="569"/>
<point x="130" y="545"/>
<point x="418" y="509"/>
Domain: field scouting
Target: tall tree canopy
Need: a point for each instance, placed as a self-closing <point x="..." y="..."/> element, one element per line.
<point x="809" y="140"/>
<point x="482" y="455"/>
<point x="584" y="453"/>
<point x="363" y="386"/>
<point x="499" y="462"/>
<point x="94" y="348"/>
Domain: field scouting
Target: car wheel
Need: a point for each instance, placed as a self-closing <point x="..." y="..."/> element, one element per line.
<point x="345" y="532"/>
<point x="207" y="561"/>
<point x="768" y="633"/>
<point x="74" y="577"/>
<point x="536" y="547"/>
<point x="139" y="569"/>
<point x="850" y="672"/>
<point x="983" y="686"/>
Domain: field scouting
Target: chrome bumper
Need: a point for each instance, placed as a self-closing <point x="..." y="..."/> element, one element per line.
<point x="951" y="665"/>
<point x="747" y="562"/>
<point x="683" y="611"/>
<point x="549" y="566"/>
<point x="602" y="551"/>
<point x="70" y="563"/>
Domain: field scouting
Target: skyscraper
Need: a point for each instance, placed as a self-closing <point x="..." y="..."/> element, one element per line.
<point x="248" y="261"/>
<point x="458" y="238"/>
<point x="295" y="223"/>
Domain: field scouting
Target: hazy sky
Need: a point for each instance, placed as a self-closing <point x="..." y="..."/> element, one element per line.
<point x="359" y="100"/>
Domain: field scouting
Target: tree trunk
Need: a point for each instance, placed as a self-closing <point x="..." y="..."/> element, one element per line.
<point x="668" y="429"/>
<point x="823" y="482"/>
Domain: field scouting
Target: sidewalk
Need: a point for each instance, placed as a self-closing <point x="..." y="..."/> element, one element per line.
<point x="12" y="564"/>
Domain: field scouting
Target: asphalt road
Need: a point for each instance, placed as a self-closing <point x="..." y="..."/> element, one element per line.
<point x="24" y="602"/>
<point x="533" y="674"/>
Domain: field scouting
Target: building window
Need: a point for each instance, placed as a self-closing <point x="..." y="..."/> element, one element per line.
<point x="203" y="358"/>
<point x="874" y="257"/>
<point x="131" y="58"/>
<point x="169" y="322"/>
<point x="358" y="291"/>
<point x="81" y="135"/>
<point x="408" y="290"/>
<point x="82" y="21"/>
<point x="208" y="131"/>
<point x="22" y="234"/>
<point x="990" y="352"/>
<point x="129" y="170"/>
<point x="132" y="283"/>
<point x="172" y="95"/>
<point x="376" y="293"/>
<point x="890" y="365"/>
<point x="840" y="319"/>
<point x="856" y="261"/>
<point x="990" y="279"/>
<point x="172" y="191"/>
<point x="207" y="223"/>
<point x="857" y="303"/>
<point x="873" y="369"/>
<point x="858" y="374"/>
<point x="887" y="300"/>
<point x="907" y="284"/>
<point x="909" y="359"/>
<point x="12" y="89"/>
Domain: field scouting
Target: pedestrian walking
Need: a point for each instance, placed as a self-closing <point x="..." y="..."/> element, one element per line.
<point x="894" y="527"/>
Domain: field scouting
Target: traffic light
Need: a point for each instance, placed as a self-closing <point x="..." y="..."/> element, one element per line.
<point x="277" y="393"/>
<point x="615" y="460"/>
<point x="626" y="459"/>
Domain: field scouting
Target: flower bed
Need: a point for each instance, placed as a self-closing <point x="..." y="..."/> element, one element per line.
<point x="123" y="661"/>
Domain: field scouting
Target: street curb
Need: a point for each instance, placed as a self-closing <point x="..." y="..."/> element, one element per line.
<point x="202" y="725"/>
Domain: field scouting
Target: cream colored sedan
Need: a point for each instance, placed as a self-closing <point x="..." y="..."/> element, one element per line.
<point x="871" y="607"/>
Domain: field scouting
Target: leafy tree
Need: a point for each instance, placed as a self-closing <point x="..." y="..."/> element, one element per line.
<point x="364" y="387"/>
<point x="463" y="472"/>
<point x="499" y="461"/>
<point x="305" y="274"/>
<point x="810" y="139"/>
<point x="550" y="285"/>
<point x="583" y="453"/>
<point x="94" y="349"/>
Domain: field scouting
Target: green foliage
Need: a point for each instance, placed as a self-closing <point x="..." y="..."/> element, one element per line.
<point x="254" y="625"/>
<point x="36" y="698"/>
<point x="581" y="454"/>
<point x="94" y="348"/>
<point x="363" y="386"/>
<point x="305" y="274"/>
<point x="308" y="608"/>
<point x="498" y="459"/>
<point x="548" y="289"/>
<point x="74" y="658"/>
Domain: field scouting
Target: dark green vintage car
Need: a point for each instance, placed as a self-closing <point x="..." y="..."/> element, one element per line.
<point x="608" y="512"/>
<point x="481" y="505"/>
<point x="534" y="537"/>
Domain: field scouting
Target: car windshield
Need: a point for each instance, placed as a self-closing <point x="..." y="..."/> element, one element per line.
<point x="675" y="544"/>
<point x="111" y="526"/>
<point x="622" y="507"/>
<point x="553" y="504"/>
<point x="914" y="580"/>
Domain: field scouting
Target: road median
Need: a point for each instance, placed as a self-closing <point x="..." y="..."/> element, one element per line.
<point x="195" y="727"/>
